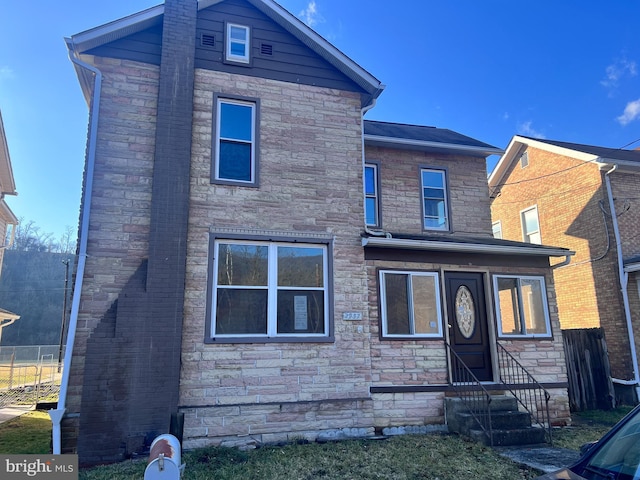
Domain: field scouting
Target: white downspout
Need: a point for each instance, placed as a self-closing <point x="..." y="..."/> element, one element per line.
<point x="624" y="280"/>
<point x="57" y="414"/>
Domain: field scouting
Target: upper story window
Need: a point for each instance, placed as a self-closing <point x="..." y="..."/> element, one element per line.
<point x="531" y="225"/>
<point x="524" y="160"/>
<point x="521" y="306"/>
<point x="410" y="304"/>
<point x="434" y="196"/>
<point x="269" y="290"/>
<point x="371" y="195"/>
<point x="235" y="143"/>
<point x="496" y="228"/>
<point x="238" y="43"/>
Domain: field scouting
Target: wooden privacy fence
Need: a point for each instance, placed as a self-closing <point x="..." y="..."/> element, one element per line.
<point x="590" y="386"/>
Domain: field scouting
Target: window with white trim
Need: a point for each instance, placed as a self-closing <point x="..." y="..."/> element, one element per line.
<point x="410" y="304"/>
<point x="496" y="228"/>
<point x="434" y="199"/>
<point x="238" y="43"/>
<point x="371" y="195"/>
<point x="235" y="157"/>
<point x="269" y="289"/>
<point x="531" y="225"/>
<point x="521" y="306"/>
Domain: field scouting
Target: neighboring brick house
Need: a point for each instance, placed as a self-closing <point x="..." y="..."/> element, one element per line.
<point x="585" y="198"/>
<point x="228" y="268"/>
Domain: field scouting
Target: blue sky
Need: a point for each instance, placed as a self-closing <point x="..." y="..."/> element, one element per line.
<point x="563" y="70"/>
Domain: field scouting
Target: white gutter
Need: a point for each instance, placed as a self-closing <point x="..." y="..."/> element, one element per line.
<point x="465" y="247"/>
<point x="57" y="414"/>
<point x="624" y="280"/>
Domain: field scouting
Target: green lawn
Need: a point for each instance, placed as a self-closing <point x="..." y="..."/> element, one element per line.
<point x="443" y="457"/>
<point x="428" y="457"/>
<point x="29" y="433"/>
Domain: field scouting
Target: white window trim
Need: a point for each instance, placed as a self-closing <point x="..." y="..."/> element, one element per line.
<point x="218" y="139"/>
<point x="442" y="172"/>
<point x="493" y="230"/>
<point x="272" y="290"/>
<point x="375" y="196"/>
<point x="238" y="58"/>
<point x="383" y="304"/>
<point x="523" y="224"/>
<point x="545" y="305"/>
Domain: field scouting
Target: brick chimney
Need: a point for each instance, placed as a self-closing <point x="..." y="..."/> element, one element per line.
<point x="132" y="365"/>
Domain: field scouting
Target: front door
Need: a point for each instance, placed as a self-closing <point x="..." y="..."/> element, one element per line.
<point x="468" y="327"/>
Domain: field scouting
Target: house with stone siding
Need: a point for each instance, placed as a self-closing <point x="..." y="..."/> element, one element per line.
<point x="259" y="263"/>
<point x="584" y="198"/>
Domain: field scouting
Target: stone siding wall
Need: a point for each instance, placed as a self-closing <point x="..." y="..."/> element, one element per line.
<point x="120" y="208"/>
<point x="401" y="191"/>
<point x="424" y="362"/>
<point x="310" y="186"/>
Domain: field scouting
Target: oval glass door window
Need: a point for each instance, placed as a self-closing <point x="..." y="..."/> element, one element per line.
<point x="465" y="312"/>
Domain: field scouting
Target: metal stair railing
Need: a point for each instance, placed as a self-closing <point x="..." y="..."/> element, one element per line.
<point x="472" y="393"/>
<point x="532" y="396"/>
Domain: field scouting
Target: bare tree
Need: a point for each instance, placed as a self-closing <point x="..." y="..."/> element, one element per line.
<point x="67" y="243"/>
<point x="30" y="238"/>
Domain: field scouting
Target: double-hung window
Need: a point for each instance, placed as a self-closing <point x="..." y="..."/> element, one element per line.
<point x="531" y="225"/>
<point x="496" y="228"/>
<point x="238" y="44"/>
<point x="435" y="207"/>
<point x="235" y="143"/>
<point x="410" y="304"/>
<point x="371" y="195"/>
<point x="521" y="306"/>
<point x="269" y="289"/>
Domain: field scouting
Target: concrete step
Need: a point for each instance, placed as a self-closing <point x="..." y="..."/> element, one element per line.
<point x="498" y="403"/>
<point x="511" y="437"/>
<point x="500" y="420"/>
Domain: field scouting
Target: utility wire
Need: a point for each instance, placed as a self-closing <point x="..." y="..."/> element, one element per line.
<point x="550" y="195"/>
<point x="500" y="185"/>
<point x="625" y="146"/>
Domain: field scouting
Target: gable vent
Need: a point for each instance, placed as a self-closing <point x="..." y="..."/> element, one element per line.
<point x="266" y="49"/>
<point x="208" y="40"/>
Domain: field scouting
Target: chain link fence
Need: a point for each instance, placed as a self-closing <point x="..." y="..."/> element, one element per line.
<point x="30" y="374"/>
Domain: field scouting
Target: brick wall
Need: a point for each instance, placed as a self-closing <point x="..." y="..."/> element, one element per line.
<point x="625" y="188"/>
<point x="574" y="213"/>
<point x="402" y="209"/>
<point x="310" y="186"/>
<point x="626" y="193"/>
